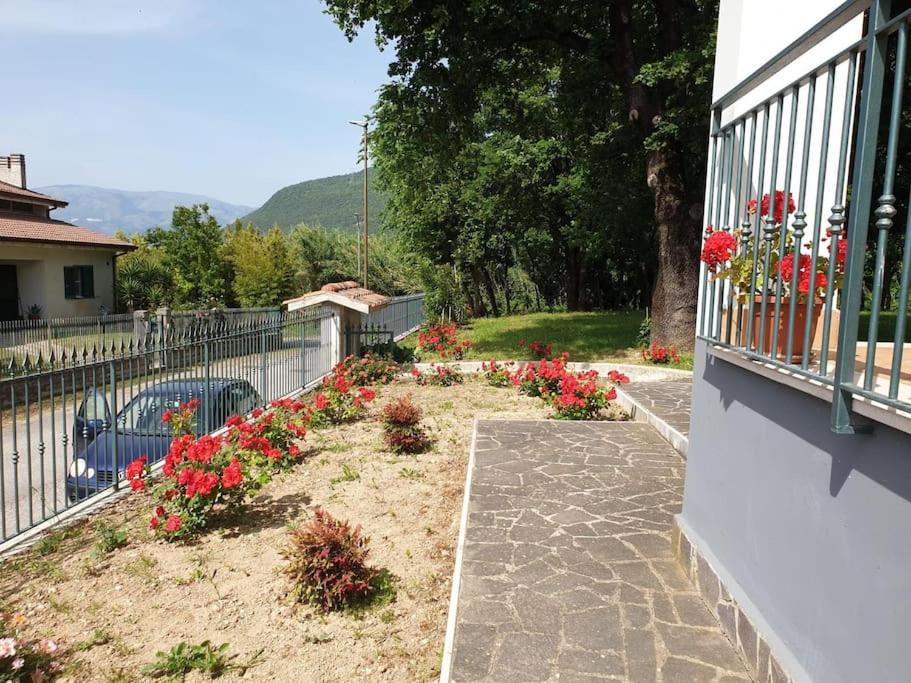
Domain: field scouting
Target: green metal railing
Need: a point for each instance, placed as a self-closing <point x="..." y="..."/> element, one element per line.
<point x="788" y="264"/>
<point x="71" y="420"/>
<point x="403" y="315"/>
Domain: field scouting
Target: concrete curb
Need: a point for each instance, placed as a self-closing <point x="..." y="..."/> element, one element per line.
<point x="449" y="641"/>
<point x="639" y="413"/>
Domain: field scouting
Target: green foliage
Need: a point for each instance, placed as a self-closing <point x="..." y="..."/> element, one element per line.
<point x="108" y="538"/>
<point x="183" y="658"/>
<point x="262" y="263"/>
<point x="328" y="202"/>
<point x="192" y="252"/>
<point x="516" y="143"/>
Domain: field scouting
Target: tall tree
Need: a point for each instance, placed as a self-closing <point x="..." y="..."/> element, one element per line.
<point x="619" y="68"/>
<point x="192" y="252"/>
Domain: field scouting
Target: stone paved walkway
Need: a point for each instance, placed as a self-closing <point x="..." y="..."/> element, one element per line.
<point x="567" y="569"/>
<point x="667" y="399"/>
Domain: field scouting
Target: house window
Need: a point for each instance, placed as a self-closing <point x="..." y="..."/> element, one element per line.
<point x="78" y="282"/>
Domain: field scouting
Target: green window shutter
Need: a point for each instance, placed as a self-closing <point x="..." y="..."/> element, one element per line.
<point x="88" y="282"/>
<point x="69" y="282"/>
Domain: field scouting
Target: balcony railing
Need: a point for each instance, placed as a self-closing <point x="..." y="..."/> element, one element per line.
<point x="790" y="265"/>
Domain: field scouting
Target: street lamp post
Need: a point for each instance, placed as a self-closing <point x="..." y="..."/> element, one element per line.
<point x="363" y="124"/>
<point x="357" y="238"/>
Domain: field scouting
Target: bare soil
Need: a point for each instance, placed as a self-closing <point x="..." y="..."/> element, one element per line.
<point x="112" y="613"/>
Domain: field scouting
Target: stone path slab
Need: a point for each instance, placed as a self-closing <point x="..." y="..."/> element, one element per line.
<point x="567" y="571"/>
<point x="668" y="400"/>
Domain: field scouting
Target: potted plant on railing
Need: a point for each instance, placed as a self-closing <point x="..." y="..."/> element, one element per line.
<point x="729" y="255"/>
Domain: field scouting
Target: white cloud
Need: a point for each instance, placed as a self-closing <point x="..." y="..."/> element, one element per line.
<point x="93" y="17"/>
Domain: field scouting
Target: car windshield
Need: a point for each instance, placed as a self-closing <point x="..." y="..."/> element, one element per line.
<point x="143" y="414"/>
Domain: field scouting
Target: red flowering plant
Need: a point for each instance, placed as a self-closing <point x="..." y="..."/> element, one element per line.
<point x="661" y="355"/>
<point x="541" y="378"/>
<point x="443" y="339"/>
<point x="497" y="374"/>
<point x="202" y="473"/>
<point x="580" y="397"/>
<point x="23" y="658"/>
<point x="538" y="349"/>
<point x="438" y="376"/>
<point x="723" y="259"/>
<point x="338" y="400"/>
<point x="367" y="369"/>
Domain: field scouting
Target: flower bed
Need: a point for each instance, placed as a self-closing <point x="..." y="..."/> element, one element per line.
<point x="111" y="613"/>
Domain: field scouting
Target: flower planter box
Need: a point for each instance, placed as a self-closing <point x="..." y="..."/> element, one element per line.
<point x="764" y="345"/>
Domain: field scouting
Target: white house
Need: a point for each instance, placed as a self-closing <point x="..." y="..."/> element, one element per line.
<point x="47" y="266"/>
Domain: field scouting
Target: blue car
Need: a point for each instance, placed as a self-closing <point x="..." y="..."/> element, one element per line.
<point x="139" y="429"/>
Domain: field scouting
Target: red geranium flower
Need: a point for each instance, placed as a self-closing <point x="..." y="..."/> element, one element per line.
<point x="173" y="524"/>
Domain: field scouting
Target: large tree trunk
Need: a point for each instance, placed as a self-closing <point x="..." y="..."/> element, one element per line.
<point x="491" y="292"/>
<point x="679" y="233"/>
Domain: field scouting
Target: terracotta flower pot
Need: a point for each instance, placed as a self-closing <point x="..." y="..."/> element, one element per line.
<point x="800" y="321"/>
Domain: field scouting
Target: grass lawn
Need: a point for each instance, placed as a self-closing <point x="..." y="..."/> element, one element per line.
<point x="586" y="336"/>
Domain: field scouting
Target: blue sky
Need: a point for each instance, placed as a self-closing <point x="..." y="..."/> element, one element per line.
<point x="233" y="100"/>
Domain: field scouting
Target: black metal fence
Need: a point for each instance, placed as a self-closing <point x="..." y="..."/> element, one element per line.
<point x="72" y="419"/>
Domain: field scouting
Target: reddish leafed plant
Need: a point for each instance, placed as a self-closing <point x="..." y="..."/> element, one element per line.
<point x="327" y="562"/>
<point x="401" y="427"/>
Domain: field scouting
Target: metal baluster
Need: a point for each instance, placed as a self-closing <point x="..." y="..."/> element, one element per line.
<point x="861" y="190"/>
<point x="886" y="211"/>
<point x="769" y="230"/>
<point x="800" y="223"/>
<point x="726" y="224"/>
<point x="817" y="216"/>
<point x="736" y="217"/>
<point x="837" y="218"/>
<point x="783" y="228"/>
<point x="706" y="278"/>
<point x="756" y="235"/>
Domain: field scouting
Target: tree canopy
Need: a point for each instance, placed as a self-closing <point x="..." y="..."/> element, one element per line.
<point x="563" y="139"/>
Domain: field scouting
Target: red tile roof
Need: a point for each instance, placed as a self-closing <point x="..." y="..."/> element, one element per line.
<point x="9" y="190"/>
<point x="18" y="227"/>
<point x="345" y="290"/>
<point x="353" y="290"/>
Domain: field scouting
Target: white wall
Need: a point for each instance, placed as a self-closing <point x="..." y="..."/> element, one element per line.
<point x="40" y="277"/>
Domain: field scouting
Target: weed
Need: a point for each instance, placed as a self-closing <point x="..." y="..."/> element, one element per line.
<point x="99" y="637"/>
<point x="348" y="474"/>
<point x="183" y="658"/>
<point x="119" y="675"/>
<point x="108" y="539"/>
<point x="51" y="543"/>
<point x="142" y="567"/>
<point x="59" y="604"/>
<point x="388" y="616"/>
<point x="410" y="473"/>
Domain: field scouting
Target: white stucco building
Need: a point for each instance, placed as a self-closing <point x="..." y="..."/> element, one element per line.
<point x="49" y="267"/>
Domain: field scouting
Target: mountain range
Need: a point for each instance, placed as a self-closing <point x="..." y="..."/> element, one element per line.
<point x="328" y="202"/>
<point x="107" y="210"/>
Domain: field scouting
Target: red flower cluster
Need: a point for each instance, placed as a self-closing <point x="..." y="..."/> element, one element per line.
<point x="805" y="267"/>
<point x="496" y="374"/>
<point x="220" y="470"/>
<point x="443" y="338"/>
<point x="368" y="369"/>
<point x="572" y="395"/>
<point x="337" y="401"/>
<point x="718" y="249"/>
<point x="779" y="205"/>
<point x="661" y="355"/>
<point x="539" y="349"/>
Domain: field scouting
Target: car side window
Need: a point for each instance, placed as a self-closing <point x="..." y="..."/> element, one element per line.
<point x="94" y="406"/>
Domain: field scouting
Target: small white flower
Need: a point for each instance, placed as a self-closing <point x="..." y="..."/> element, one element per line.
<point x="7" y="647"/>
<point x="18" y="663"/>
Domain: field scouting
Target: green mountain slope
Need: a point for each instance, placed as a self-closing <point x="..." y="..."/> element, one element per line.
<point x="329" y="202"/>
